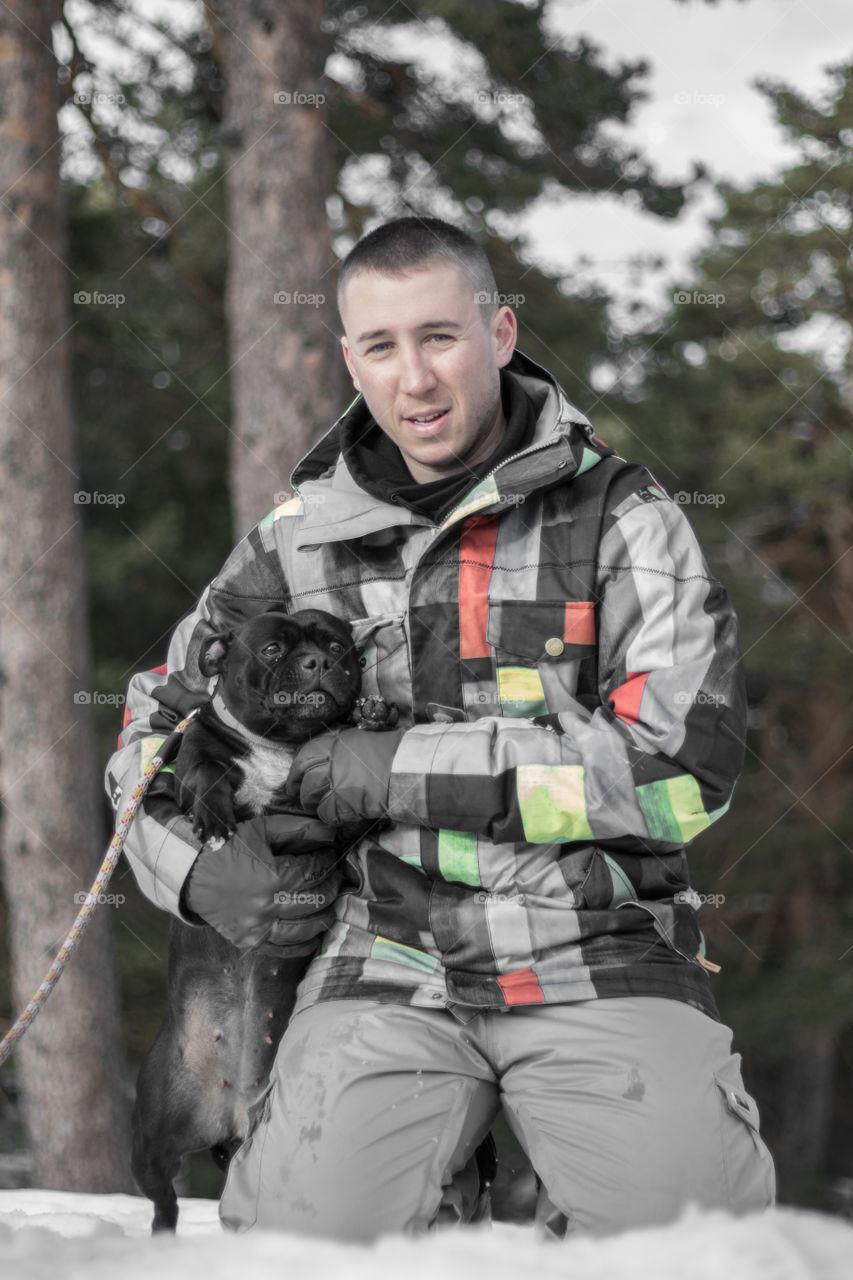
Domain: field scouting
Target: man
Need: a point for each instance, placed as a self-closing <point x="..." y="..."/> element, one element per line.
<point x="522" y="929"/>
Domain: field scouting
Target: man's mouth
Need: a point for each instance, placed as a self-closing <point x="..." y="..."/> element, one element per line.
<point x="427" y="424"/>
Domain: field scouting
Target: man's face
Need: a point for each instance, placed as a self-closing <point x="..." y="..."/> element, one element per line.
<point x="427" y="361"/>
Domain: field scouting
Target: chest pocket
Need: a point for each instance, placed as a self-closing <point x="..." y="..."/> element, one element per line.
<point x="383" y="648"/>
<point x="545" y="654"/>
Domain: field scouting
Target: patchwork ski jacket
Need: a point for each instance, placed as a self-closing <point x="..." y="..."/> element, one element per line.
<point x="569" y="673"/>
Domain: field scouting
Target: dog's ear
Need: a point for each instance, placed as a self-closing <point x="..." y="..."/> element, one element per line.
<point x="213" y="652"/>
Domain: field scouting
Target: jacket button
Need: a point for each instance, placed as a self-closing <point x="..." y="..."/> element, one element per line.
<point x="554" y="647"/>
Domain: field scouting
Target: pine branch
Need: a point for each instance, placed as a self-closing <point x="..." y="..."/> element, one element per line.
<point x="146" y="205"/>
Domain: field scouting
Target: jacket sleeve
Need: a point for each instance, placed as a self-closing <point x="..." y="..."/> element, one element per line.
<point x="657" y="759"/>
<point x="160" y="846"/>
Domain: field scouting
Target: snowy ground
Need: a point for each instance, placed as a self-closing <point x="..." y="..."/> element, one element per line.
<point x="45" y="1234"/>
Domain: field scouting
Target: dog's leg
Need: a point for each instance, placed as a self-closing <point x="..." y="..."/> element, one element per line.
<point x="156" y="1152"/>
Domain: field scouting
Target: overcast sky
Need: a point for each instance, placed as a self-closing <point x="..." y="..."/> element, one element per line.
<point x="703" y="105"/>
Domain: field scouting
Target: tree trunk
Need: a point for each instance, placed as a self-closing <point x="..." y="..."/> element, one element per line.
<point x="287" y="379"/>
<point x="70" y="1061"/>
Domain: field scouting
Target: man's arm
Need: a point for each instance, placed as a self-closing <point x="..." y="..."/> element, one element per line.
<point x="657" y="760"/>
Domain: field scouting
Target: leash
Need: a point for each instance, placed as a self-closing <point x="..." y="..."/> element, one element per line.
<point x="102" y="879"/>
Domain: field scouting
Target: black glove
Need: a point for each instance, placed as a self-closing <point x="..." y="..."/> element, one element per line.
<point x="344" y="776"/>
<point x="274" y="881"/>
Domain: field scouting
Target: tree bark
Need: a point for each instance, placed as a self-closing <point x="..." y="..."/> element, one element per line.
<point x="70" y="1061"/>
<point x="287" y="380"/>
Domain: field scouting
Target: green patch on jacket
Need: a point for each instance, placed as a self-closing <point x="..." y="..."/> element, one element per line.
<point x="521" y="693"/>
<point x="552" y="804"/>
<point x="148" y="750"/>
<point x="457" y="857"/>
<point x="673" y="808"/>
<point x="397" y="953"/>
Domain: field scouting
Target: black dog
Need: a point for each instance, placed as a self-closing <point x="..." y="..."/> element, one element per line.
<point x="282" y="678"/>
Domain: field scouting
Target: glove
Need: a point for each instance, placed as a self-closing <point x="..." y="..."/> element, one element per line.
<point x="275" y="880"/>
<point x="344" y="776"/>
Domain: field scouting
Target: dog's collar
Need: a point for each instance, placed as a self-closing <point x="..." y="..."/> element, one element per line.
<point x="254" y="739"/>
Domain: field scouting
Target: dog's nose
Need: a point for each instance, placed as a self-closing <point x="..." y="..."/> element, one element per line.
<point x="313" y="663"/>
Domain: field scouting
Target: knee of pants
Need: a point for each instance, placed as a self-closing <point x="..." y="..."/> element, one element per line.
<point x="353" y="1140"/>
<point x="659" y="1121"/>
<point x="415" y="1179"/>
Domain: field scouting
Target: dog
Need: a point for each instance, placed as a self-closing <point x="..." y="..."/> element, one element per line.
<point x="282" y="679"/>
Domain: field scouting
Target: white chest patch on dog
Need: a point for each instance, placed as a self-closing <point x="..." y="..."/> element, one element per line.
<point x="265" y="770"/>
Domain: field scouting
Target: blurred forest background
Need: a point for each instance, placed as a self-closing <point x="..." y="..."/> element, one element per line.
<point x="240" y="154"/>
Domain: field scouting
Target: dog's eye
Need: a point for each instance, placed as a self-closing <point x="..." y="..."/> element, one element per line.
<point x="336" y="649"/>
<point x="271" y="651"/>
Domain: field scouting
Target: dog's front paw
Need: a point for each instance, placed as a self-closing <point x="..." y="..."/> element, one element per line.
<point x="210" y="825"/>
<point x="375" y="713"/>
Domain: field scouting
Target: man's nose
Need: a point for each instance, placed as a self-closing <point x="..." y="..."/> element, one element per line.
<point x="416" y="375"/>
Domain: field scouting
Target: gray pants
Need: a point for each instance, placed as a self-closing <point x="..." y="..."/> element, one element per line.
<point x="629" y="1108"/>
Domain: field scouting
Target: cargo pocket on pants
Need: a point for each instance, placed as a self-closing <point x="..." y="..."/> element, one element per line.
<point x="749" y="1169"/>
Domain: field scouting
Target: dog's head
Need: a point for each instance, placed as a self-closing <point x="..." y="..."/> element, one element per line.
<point x="285" y="676"/>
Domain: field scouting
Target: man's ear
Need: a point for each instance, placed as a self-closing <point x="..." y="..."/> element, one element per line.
<point x="213" y="652"/>
<point x="505" y="335"/>
<point x="350" y="363"/>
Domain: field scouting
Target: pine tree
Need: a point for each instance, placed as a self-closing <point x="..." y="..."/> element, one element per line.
<point x="745" y="411"/>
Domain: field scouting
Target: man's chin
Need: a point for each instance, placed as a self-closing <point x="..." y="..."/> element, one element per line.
<point x="433" y="460"/>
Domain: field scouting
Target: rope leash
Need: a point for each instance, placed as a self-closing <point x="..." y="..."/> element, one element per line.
<point x="102" y="879"/>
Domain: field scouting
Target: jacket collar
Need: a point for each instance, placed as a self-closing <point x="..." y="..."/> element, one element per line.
<point x="335" y="508"/>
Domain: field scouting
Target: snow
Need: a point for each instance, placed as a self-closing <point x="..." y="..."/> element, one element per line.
<point x="45" y="1234"/>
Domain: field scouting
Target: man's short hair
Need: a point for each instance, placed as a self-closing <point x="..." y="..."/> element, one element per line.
<point x="409" y="244"/>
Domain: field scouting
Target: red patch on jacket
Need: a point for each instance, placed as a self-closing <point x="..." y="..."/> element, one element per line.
<point x="521" y="987"/>
<point x="625" y="700"/>
<point x="476" y="557"/>
<point x="579" y="627"/>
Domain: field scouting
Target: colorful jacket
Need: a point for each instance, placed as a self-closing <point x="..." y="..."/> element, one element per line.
<point x="570" y="672"/>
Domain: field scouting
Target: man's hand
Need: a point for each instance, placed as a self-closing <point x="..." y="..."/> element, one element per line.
<point x="275" y="880"/>
<point x="344" y="777"/>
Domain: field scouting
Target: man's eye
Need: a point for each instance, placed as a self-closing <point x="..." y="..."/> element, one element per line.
<point x="441" y="337"/>
<point x="377" y="349"/>
<point x="271" y="651"/>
